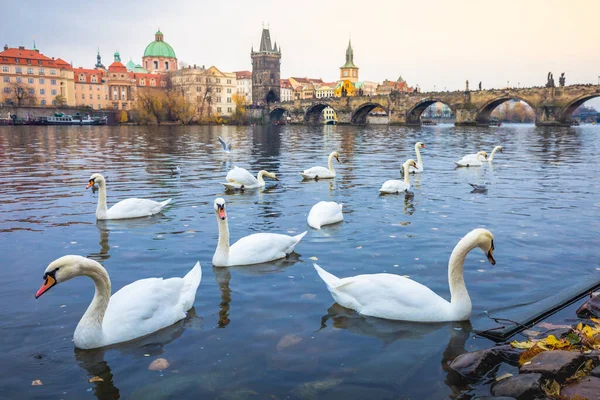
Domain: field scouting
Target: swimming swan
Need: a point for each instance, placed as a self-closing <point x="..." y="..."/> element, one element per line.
<point x="472" y="160"/>
<point x="138" y="309"/>
<point x="128" y="208"/>
<point x="240" y="178"/>
<point x="398" y="186"/>
<point x="253" y="249"/>
<point x="317" y="173"/>
<point x="419" y="168"/>
<point x="497" y="148"/>
<point x="395" y="297"/>
<point x="325" y="213"/>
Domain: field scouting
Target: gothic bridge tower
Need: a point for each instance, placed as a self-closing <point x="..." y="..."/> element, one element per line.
<point x="266" y="63"/>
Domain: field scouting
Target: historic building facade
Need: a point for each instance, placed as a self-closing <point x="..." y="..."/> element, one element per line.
<point x="266" y="66"/>
<point x="349" y="71"/>
<point x="159" y="57"/>
<point x="28" y="74"/>
<point x="286" y="91"/>
<point x="244" y="85"/>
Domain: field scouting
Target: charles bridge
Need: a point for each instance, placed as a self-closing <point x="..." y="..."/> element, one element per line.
<point x="553" y="106"/>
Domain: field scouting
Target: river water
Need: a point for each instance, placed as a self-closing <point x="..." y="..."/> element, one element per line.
<point x="272" y="331"/>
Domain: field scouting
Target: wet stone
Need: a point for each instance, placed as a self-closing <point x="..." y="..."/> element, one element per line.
<point x="591" y="308"/>
<point x="521" y="387"/>
<point x="556" y="364"/>
<point x="595" y="372"/>
<point x="586" y="388"/>
<point x="558" y="333"/>
<point x="478" y="363"/>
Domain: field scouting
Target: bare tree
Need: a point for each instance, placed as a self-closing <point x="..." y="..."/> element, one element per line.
<point x="21" y="94"/>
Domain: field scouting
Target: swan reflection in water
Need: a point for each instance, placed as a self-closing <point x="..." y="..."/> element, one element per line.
<point x="93" y="361"/>
<point x="389" y="331"/>
<point x="223" y="278"/>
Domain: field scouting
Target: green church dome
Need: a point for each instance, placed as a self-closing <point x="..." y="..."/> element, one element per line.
<point x="159" y="48"/>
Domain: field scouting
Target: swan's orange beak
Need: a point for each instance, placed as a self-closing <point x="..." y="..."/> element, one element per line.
<point x="50" y="281"/>
<point x="415" y="165"/>
<point x="90" y="184"/>
<point x="423" y="146"/>
<point x="221" y="211"/>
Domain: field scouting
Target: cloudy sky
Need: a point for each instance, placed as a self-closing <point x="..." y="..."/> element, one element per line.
<point x="431" y="43"/>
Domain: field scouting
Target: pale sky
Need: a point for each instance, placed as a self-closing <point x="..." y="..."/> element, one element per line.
<point x="430" y="43"/>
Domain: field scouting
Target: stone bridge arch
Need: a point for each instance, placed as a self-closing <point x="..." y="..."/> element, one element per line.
<point x="359" y="116"/>
<point x="277" y="114"/>
<point x="313" y="113"/>
<point x="484" y="112"/>
<point x="566" y="114"/>
<point x="413" y="116"/>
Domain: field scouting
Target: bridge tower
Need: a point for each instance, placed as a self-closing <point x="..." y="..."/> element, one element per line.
<point x="266" y="65"/>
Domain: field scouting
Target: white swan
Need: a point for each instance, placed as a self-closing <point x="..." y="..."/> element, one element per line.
<point x="317" y="173"/>
<point x="419" y="168"/>
<point x="472" y="160"/>
<point x="225" y="146"/>
<point x="325" y="213"/>
<point x="398" y="186"/>
<point x="128" y="208"/>
<point x="240" y="178"/>
<point x="138" y="309"/>
<point x="253" y="249"/>
<point x="497" y="148"/>
<point x="395" y="297"/>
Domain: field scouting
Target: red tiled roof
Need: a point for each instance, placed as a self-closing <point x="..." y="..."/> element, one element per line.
<point x="243" y="75"/>
<point x="307" y="80"/>
<point x="117" y="66"/>
<point x="88" y="75"/>
<point x="158" y="79"/>
<point x="285" y="83"/>
<point x="9" y="56"/>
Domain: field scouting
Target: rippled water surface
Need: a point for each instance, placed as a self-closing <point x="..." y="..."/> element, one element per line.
<point x="272" y="331"/>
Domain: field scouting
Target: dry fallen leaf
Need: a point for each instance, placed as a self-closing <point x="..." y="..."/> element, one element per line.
<point x="158" y="365"/>
<point x="288" y="340"/>
<point x="95" y="379"/>
<point x="314" y="258"/>
<point x="37" y="382"/>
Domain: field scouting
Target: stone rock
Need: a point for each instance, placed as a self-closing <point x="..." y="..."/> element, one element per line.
<point x="555" y="364"/>
<point x="558" y="333"/>
<point x="478" y="363"/>
<point x="521" y="387"/>
<point x="586" y="388"/>
<point x="591" y="308"/>
<point x="595" y="372"/>
<point x="593" y="355"/>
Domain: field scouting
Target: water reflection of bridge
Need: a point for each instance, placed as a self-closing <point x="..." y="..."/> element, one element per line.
<point x="552" y="106"/>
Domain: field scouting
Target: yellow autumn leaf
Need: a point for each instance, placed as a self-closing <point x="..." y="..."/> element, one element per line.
<point x="551" y="388"/>
<point x="522" y="345"/>
<point x="579" y="326"/>
<point x="95" y="379"/>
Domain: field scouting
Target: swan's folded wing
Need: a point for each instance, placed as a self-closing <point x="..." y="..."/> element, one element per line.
<point x="317" y="171"/>
<point x="388" y="296"/>
<point x="133" y="207"/>
<point x="241" y="176"/>
<point x="143" y="307"/>
<point x="260" y="247"/>
<point x="393" y="185"/>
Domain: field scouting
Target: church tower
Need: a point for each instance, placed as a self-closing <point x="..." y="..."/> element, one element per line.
<point x="349" y="71"/>
<point x="266" y="64"/>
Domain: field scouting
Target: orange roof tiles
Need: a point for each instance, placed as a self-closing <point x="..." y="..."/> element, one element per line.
<point x="243" y="75"/>
<point x="27" y="57"/>
<point x="87" y="74"/>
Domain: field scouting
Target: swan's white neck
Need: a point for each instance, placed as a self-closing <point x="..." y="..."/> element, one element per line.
<point x="459" y="297"/>
<point x="418" y="151"/>
<point x="222" y="252"/>
<point x="260" y="178"/>
<point x="89" y="328"/>
<point x="491" y="158"/>
<point x="406" y="167"/>
<point x="330" y="163"/>
<point x="101" y="209"/>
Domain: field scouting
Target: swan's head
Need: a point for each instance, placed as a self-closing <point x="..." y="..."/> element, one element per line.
<point x="220" y="208"/>
<point x="499" y="148"/>
<point x="410" y="163"/>
<point x="482" y="154"/>
<point x="95" y="178"/>
<point x="269" y="175"/>
<point x="336" y="156"/>
<point x="420" y="144"/>
<point x="485" y="241"/>
<point x="61" y="270"/>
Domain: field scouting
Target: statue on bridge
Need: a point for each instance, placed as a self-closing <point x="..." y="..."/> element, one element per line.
<point x="550" y="83"/>
<point x="562" y="79"/>
<point x="467" y="87"/>
<point x="479" y="85"/>
<point x="344" y="92"/>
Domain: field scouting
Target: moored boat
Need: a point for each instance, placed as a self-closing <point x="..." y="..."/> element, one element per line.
<point x="63" y="119"/>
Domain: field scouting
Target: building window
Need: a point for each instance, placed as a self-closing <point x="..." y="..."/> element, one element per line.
<point x="91" y="96"/>
<point x="30" y="71"/>
<point x="32" y="91"/>
<point x="166" y="65"/>
<point x="354" y="73"/>
<point x="43" y="102"/>
<point x="98" y="97"/>
<point x="81" y="77"/>
<point x="52" y="72"/>
<point x="198" y="88"/>
<point x="42" y="72"/>
<point x="229" y="109"/>
<point x="345" y="73"/>
<point x="53" y="81"/>
<point x="99" y="106"/>
<point x="105" y="97"/>
<point x="53" y="92"/>
<point x="218" y="80"/>
<point x="19" y="79"/>
<point x="218" y="99"/>
<point x="91" y="88"/>
<point x="94" y="79"/>
<point x="7" y="79"/>
<point x="229" y="99"/>
<point x="30" y="81"/>
<point x="5" y="68"/>
<point x="155" y="64"/>
<point x="218" y="90"/>
<point x="152" y="82"/>
<point x="17" y="61"/>
<point x="18" y="70"/>
<point x="142" y="82"/>
<point x="83" y="96"/>
<point x="6" y="90"/>
<point x="218" y="109"/>
<point x="228" y="90"/>
<point x="42" y="81"/>
<point x="54" y="102"/>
